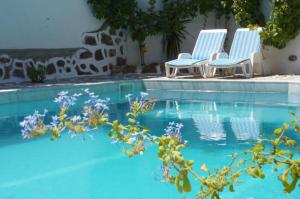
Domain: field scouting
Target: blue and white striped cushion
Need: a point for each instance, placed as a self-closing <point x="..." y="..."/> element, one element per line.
<point x="208" y="42"/>
<point x="244" y="43"/>
<point x="225" y="62"/>
<point x="183" y="62"/>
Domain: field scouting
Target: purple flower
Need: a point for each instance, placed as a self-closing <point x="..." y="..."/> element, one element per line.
<point x="54" y="123"/>
<point x="128" y="96"/>
<point x="140" y="100"/>
<point x="174" y="130"/>
<point x="115" y="141"/>
<point x="143" y="95"/>
<point x="132" y="140"/>
<point x="95" y="104"/>
<point x="75" y="118"/>
<point x="65" y="100"/>
<point x="30" y="122"/>
<point x="165" y="170"/>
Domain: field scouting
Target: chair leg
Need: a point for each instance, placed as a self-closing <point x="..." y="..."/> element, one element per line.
<point x="233" y="71"/>
<point x="243" y="66"/>
<point x="167" y="71"/>
<point x="206" y="71"/>
<point x="196" y="70"/>
<point x="191" y="71"/>
<point x="175" y="70"/>
<point x="214" y="70"/>
<point x="250" y="70"/>
<point x="202" y="70"/>
<point x="210" y="71"/>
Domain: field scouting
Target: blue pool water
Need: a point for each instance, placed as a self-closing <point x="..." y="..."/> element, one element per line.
<point x="215" y="124"/>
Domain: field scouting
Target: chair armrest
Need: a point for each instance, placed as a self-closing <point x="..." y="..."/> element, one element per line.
<point x="221" y="55"/>
<point x="184" y="56"/>
<point x="213" y="56"/>
<point x="256" y="58"/>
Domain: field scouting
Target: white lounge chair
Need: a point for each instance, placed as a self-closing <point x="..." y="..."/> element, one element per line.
<point x="245" y="51"/>
<point x="209" y="43"/>
<point x="210" y="127"/>
<point x="245" y="128"/>
<point x="208" y="122"/>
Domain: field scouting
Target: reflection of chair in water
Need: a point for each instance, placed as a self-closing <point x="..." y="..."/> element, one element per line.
<point x="208" y="123"/>
<point x="245" y="128"/>
<point x="207" y="107"/>
<point x="169" y="106"/>
<point x="186" y="109"/>
<point x="210" y="127"/>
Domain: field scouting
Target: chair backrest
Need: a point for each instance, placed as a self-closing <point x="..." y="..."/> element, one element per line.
<point x="208" y="42"/>
<point x="244" y="43"/>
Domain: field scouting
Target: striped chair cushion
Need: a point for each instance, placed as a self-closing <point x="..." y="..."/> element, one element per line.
<point x="183" y="62"/>
<point x="244" y="43"/>
<point x="208" y="42"/>
<point x="223" y="62"/>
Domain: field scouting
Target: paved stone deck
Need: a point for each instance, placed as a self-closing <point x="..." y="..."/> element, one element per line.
<point x="150" y="77"/>
<point x="272" y="78"/>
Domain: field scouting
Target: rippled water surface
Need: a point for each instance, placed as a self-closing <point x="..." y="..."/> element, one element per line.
<point x="215" y="124"/>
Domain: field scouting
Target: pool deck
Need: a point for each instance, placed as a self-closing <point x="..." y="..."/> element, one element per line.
<point x="274" y="83"/>
<point x="272" y="78"/>
<point x="28" y="92"/>
<point x="277" y="83"/>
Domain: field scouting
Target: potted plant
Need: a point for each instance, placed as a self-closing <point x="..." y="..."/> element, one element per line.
<point x="36" y="75"/>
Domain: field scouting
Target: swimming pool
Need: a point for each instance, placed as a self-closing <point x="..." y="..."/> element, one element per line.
<point x="216" y="124"/>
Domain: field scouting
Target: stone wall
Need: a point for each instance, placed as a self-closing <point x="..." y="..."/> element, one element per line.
<point x="102" y="51"/>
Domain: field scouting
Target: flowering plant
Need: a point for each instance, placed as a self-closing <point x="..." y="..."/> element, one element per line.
<point x="33" y="125"/>
<point x="175" y="168"/>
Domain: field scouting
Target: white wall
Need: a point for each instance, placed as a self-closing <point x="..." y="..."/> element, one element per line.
<point x="278" y="60"/>
<point x="197" y="25"/>
<point x="60" y="24"/>
<point x="154" y="52"/>
<point x="44" y="23"/>
<point x="154" y="44"/>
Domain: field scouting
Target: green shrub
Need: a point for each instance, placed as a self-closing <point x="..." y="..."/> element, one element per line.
<point x="36" y="74"/>
<point x="282" y="26"/>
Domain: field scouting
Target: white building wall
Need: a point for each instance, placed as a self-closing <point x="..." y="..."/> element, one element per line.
<point x="60" y="24"/>
<point x="44" y="23"/>
<point x="278" y="60"/>
<point x="154" y="44"/>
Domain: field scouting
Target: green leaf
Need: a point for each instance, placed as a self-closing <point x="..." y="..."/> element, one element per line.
<point x="258" y="147"/>
<point x="129" y="153"/>
<point x="178" y="183"/>
<point x="289" y="186"/>
<point x="278" y="131"/>
<point x="276" y="141"/>
<point x="132" y="121"/>
<point x="190" y="162"/>
<point x="242" y="161"/>
<point x="292" y="113"/>
<point x="283" y="152"/>
<point x="231" y="187"/>
<point x="204" y="168"/>
<point x="186" y="184"/>
<point x="286" y="126"/>
<point x="284" y="177"/>
<point x="291" y="142"/>
<point x="260" y="173"/>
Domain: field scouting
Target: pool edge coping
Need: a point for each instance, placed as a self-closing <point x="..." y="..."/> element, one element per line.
<point x="160" y="81"/>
